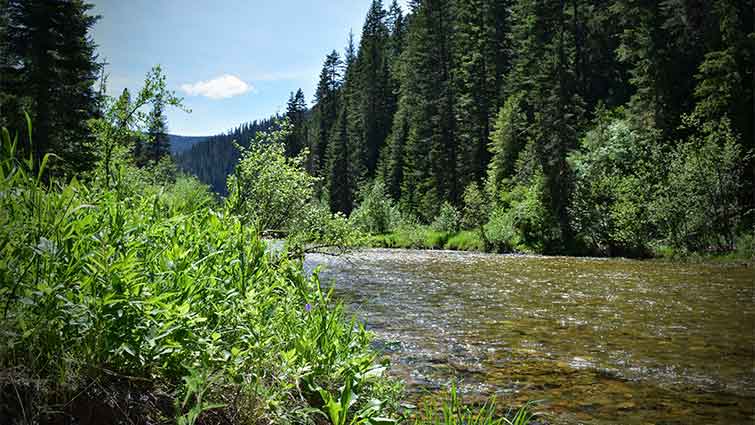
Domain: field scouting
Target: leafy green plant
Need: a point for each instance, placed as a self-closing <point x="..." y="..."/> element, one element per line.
<point x="698" y="207"/>
<point x="161" y="285"/>
<point x="267" y="189"/>
<point x="376" y="213"/>
<point x="448" y="219"/>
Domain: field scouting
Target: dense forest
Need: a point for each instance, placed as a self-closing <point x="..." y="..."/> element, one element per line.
<point x="585" y="126"/>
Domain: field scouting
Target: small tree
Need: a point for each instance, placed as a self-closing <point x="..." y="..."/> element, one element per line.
<point x="268" y="189"/>
<point x="272" y="192"/>
<point x="476" y="211"/>
<point x="376" y="213"/>
<point x="448" y="219"/>
<point x="123" y="122"/>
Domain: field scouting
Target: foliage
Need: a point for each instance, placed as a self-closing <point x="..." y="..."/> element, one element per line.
<point x="448" y="219"/>
<point x="376" y="213"/>
<point x="501" y="231"/>
<point x="49" y="68"/>
<point x="274" y="194"/>
<point x="507" y="141"/>
<point x="268" y="190"/>
<point x="616" y="172"/>
<point x="150" y="286"/>
<point x="476" y="211"/>
<point x="420" y="100"/>
<point x="453" y="412"/>
<point x="698" y="206"/>
<point x="532" y="222"/>
<point x="466" y="241"/>
<point x="319" y="230"/>
<point x="123" y="123"/>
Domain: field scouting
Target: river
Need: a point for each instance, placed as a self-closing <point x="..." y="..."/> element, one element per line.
<point x="599" y="341"/>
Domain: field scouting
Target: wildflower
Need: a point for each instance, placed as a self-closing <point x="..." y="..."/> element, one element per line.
<point x="308" y="307"/>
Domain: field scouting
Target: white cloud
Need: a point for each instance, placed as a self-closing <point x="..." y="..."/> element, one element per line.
<point x="222" y="87"/>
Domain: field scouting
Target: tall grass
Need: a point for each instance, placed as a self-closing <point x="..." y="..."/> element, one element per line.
<point x="453" y="411"/>
<point x="151" y="288"/>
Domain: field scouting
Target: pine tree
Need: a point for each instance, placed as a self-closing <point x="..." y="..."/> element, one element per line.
<point x="325" y="111"/>
<point x="430" y="167"/>
<point x="49" y="70"/>
<point x="295" y="111"/>
<point x="480" y="58"/>
<point x="338" y="185"/>
<point x="159" y="142"/>
<point x="346" y="150"/>
<point x="372" y="83"/>
<point x="544" y="72"/>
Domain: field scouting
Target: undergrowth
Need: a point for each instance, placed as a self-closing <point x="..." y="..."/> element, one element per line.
<point x="146" y="302"/>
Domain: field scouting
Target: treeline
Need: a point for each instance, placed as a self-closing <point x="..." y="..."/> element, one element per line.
<point x="213" y="159"/>
<point x="601" y="125"/>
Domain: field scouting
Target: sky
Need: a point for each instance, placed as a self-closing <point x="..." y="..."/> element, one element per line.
<point x="232" y="61"/>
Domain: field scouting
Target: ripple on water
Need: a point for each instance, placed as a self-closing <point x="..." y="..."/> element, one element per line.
<point x="602" y="340"/>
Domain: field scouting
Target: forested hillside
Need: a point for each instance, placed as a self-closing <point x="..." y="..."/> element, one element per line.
<point x="214" y="158"/>
<point x="585" y="126"/>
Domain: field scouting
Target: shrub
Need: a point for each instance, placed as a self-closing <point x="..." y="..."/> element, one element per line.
<point x="476" y="211"/>
<point x="376" y="213"/>
<point x="267" y="189"/>
<point x="501" y="231"/>
<point x="698" y="207"/>
<point x="616" y="171"/>
<point x="448" y="219"/>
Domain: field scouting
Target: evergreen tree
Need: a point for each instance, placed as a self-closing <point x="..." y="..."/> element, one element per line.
<point x="372" y="85"/>
<point x="295" y="111"/>
<point x="159" y="143"/>
<point x="479" y="60"/>
<point x="49" y="70"/>
<point x="345" y="168"/>
<point x="544" y="72"/>
<point x="429" y="174"/>
<point x="325" y="110"/>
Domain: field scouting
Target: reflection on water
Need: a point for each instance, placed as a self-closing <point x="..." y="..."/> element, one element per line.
<point x="602" y="341"/>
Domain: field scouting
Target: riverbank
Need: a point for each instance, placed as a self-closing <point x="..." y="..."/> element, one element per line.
<point x="424" y="238"/>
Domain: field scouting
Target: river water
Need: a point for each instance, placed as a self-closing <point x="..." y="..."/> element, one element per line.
<point x="599" y="341"/>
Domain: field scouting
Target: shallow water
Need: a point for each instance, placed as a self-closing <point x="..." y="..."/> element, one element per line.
<point x="601" y="341"/>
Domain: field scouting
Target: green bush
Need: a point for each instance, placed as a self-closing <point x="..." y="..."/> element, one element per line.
<point x="448" y="219"/>
<point x="267" y="189"/>
<point x="616" y="170"/>
<point x="501" y="231"/>
<point x="376" y="213"/>
<point x="697" y="209"/>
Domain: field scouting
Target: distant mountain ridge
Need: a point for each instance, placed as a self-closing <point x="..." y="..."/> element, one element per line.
<point x="180" y="144"/>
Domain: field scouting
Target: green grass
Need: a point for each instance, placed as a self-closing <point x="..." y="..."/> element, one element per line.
<point x="453" y="411"/>
<point x="422" y="237"/>
<point x="465" y="241"/>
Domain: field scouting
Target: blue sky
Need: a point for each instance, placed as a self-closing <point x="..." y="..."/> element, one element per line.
<point x="231" y="60"/>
